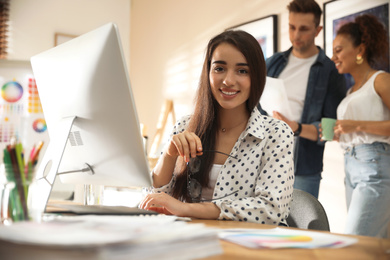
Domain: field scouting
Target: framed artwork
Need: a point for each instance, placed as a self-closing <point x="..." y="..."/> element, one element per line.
<point x="60" y="38"/>
<point x="265" y="32"/>
<point x="337" y="13"/>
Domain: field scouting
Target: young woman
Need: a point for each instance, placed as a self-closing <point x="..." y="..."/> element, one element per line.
<point x="363" y="125"/>
<point x="227" y="161"/>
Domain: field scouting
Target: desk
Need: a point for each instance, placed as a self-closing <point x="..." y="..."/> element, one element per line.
<point x="366" y="248"/>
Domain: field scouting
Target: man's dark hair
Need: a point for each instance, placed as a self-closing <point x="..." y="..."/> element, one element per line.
<point x="306" y="7"/>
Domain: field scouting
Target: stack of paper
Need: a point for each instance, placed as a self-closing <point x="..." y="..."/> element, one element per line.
<point x="119" y="237"/>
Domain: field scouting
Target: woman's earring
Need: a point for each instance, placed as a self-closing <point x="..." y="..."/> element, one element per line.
<point x="359" y="59"/>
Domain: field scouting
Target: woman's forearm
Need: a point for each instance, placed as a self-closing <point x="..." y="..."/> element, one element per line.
<point x="205" y="210"/>
<point x="162" y="173"/>
<point x="371" y="127"/>
<point x="374" y="127"/>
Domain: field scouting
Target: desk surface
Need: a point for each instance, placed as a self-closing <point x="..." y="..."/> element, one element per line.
<point x="366" y="248"/>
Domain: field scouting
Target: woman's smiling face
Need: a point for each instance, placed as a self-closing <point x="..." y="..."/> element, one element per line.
<point x="229" y="76"/>
<point x="344" y="54"/>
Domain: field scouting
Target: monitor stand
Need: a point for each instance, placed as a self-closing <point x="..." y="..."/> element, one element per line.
<point x="42" y="185"/>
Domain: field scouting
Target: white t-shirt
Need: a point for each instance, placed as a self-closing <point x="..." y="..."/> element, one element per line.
<point x="364" y="104"/>
<point x="295" y="77"/>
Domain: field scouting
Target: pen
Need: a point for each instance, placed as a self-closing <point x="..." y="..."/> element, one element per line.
<point x="38" y="150"/>
<point x="19" y="180"/>
<point x="19" y="155"/>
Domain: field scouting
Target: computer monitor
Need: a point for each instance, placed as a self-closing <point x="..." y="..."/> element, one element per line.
<point x="91" y="115"/>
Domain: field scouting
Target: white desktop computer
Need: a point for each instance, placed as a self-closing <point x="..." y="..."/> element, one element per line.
<point x="91" y="116"/>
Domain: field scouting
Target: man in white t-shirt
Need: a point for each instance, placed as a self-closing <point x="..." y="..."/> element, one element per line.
<point x="314" y="89"/>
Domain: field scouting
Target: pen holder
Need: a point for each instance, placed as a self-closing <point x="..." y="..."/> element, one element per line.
<point x="13" y="200"/>
<point x="14" y="206"/>
<point x="18" y="166"/>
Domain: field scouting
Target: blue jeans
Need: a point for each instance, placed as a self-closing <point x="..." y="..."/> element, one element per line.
<point x="367" y="188"/>
<point x="308" y="183"/>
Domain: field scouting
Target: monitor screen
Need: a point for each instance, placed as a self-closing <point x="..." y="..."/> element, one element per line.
<point x="86" y="79"/>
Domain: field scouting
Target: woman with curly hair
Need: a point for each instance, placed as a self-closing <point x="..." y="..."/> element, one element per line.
<point x="363" y="125"/>
<point x="227" y="161"/>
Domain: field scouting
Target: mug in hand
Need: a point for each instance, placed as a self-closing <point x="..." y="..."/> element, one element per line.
<point x="327" y="125"/>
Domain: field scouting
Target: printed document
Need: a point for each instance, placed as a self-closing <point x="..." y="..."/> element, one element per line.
<point x="274" y="98"/>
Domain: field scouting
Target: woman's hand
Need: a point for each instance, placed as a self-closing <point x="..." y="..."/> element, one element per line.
<point x="186" y="144"/>
<point x="164" y="204"/>
<point x="345" y="127"/>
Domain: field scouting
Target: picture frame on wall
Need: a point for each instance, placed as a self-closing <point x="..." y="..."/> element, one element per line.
<point x="60" y="38"/>
<point x="337" y="13"/>
<point x="264" y="30"/>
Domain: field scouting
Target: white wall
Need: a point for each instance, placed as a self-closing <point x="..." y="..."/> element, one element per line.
<point x="34" y="23"/>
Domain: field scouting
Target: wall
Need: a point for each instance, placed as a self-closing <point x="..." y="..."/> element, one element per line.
<point x="34" y="23"/>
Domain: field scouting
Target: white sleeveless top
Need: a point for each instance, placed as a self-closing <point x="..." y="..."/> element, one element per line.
<point x="207" y="193"/>
<point x="366" y="105"/>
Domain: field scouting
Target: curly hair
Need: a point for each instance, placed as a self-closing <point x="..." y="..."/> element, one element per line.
<point x="368" y="30"/>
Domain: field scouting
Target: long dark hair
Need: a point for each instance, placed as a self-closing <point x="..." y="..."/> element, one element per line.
<point x="203" y="122"/>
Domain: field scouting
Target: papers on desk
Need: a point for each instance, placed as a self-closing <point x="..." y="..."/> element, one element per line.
<point x="274" y="98"/>
<point x="119" y="237"/>
<point x="284" y="238"/>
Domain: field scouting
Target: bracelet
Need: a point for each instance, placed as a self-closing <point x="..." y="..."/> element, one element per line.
<point x="299" y="130"/>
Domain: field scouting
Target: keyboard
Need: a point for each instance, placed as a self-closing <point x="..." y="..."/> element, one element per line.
<point x="99" y="210"/>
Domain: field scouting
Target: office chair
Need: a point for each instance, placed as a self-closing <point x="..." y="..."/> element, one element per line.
<point x="306" y="212"/>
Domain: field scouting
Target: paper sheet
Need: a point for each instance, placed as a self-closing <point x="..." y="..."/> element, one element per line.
<point x="274" y="98"/>
<point x="82" y="231"/>
<point x="285" y="238"/>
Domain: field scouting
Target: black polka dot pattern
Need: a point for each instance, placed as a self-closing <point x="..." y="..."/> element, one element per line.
<point x="262" y="175"/>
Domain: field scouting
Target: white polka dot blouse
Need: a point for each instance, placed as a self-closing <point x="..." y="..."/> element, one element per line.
<point x="260" y="179"/>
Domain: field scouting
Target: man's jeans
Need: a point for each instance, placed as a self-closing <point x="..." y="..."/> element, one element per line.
<point x="308" y="183"/>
